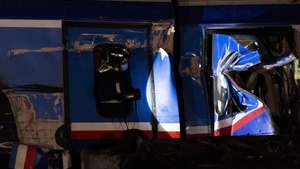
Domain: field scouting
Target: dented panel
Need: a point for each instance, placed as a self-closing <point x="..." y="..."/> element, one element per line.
<point x="243" y="104"/>
<point x="235" y="107"/>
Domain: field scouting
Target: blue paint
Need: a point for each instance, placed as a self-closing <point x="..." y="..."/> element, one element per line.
<point x="81" y="76"/>
<point x="165" y="91"/>
<point x="87" y="10"/>
<point x="47" y="107"/>
<point x="240" y="14"/>
<point x="224" y="45"/>
<point x="259" y="126"/>
<point x="33" y="67"/>
<point x="196" y="106"/>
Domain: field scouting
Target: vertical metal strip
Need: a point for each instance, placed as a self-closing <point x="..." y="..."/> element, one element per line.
<point x="67" y="125"/>
<point x="208" y="73"/>
<point x="154" y="121"/>
<point x="177" y="57"/>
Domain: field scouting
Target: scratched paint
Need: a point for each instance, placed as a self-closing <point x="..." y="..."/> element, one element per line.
<point x="38" y="116"/>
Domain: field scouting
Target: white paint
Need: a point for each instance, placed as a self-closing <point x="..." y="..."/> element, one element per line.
<point x="169" y="127"/>
<point x="110" y="126"/>
<point x="27" y="23"/>
<point x="117" y="126"/>
<point x="21" y="157"/>
<point x="163" y="54"/>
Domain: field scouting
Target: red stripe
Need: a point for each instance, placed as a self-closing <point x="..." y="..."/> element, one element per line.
<point x="96" y="135"/>
<point x="30" y="158"/>
<point x="196" y="136"/>
<point x="169" y="135"/>
<point x="239" y="124"/>
<point x="248" y="118"/>
<point x="223" y="131"/>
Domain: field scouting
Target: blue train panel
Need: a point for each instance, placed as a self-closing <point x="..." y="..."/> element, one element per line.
<point x="31" y="53"/>
<point x="30" y="68"/>
<point x="165" y="98"/>
<point x="158" y="100"/>
<point x="192" y="68"/>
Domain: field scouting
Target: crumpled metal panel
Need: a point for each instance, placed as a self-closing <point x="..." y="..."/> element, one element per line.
<point x="237" y="111"/>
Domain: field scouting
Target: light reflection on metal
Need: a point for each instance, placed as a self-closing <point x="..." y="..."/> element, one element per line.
<point x="165" y="98"/>
<point x="235" y="107"/>
<point x="282" y="60"/>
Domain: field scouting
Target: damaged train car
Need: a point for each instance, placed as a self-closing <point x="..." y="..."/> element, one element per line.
<point x="254" y="85"/>
<point x="167" y="89"/>
<point x="251" y="78"/>
<point x="78" y="83"/>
